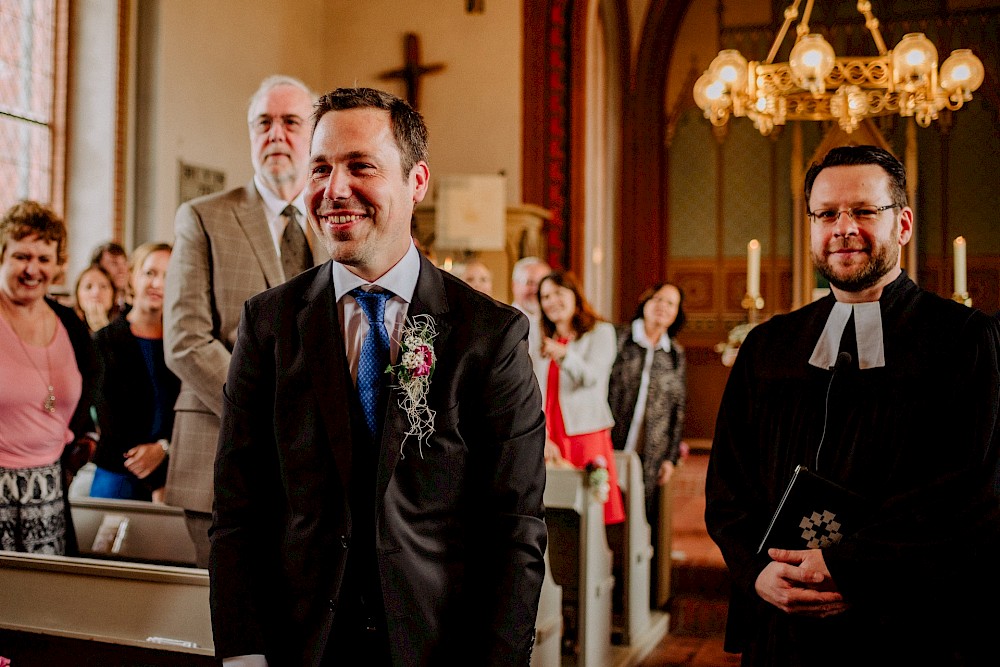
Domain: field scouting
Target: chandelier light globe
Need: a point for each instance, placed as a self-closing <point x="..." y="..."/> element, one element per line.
<point x="811" y="61"/>
<point x="913" y="59"/>
<point x="730" y="67"/>
<point x="816" y="85"/>
<point x="704" y="97"/>
<point x="962" y="72"/>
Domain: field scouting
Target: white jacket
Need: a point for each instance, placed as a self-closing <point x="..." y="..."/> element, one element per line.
<point x="583" y="380"/>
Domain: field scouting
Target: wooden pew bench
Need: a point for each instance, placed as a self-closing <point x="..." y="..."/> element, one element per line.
<point x="56" y="610"/>
<point x="637" y="623"/>
<point x="548" y="623"/>
<point x="132" y="530"/>
<point x="581" y="562"/>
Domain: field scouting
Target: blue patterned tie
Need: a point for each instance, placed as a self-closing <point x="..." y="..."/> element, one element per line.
<point x="374" y="352"/>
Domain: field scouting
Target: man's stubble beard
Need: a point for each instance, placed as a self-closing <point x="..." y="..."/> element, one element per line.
<point x="883" y="259"/>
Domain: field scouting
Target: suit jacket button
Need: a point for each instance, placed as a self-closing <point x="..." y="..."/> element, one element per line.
<point x="344" y="541"/>
<point x="333" y="605"/>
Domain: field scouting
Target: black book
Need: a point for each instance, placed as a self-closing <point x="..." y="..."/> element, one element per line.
<point x="813" y="513"/>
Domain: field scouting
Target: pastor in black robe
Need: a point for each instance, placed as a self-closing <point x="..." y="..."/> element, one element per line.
<point x="918" y="437"/>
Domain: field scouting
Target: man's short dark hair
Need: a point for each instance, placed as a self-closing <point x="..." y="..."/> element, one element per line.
<point x="850" y="156"/>
<point x="408" y="128"/>
<point x="112" y="248"/>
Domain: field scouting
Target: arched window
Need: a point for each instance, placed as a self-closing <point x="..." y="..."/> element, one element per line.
<point x="32" y="68"/>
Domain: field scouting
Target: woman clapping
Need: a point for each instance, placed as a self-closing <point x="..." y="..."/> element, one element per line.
<point x="573" y="370"/>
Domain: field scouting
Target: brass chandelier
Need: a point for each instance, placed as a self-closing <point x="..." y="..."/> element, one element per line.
<point x="815" y="84"/>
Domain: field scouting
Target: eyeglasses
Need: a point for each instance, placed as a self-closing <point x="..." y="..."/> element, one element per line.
<point x="859" y="214"/>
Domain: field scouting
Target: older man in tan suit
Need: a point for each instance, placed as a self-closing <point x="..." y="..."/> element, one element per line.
<point x="229" y="247"/>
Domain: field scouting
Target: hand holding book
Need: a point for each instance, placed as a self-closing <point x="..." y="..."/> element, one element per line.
<point x="813" y="513"/>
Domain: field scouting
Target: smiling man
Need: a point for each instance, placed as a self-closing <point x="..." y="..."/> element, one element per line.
<point x="892" y="392"/>
<point x="228" y="247"/>
<point x="366" y="516"/>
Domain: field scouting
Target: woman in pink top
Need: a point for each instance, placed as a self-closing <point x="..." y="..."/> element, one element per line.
<point x="49" y="372"/>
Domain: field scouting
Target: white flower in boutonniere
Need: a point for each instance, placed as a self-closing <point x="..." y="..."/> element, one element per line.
<point x="413" y="375"/>
<point x="597" y="478"/>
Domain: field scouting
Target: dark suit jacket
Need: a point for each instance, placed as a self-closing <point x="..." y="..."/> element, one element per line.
<point x="458" y="532"/>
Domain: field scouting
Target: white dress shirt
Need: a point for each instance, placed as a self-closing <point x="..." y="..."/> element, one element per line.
<point x="401" y="280"/>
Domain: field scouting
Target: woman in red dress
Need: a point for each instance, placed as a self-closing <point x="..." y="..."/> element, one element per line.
<point x="573" y="370"/>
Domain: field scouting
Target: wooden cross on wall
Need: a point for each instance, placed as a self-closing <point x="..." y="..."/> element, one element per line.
<point x="412" y="70"/>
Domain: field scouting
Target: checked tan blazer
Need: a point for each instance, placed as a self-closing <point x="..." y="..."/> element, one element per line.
<point x="223" y="255"/>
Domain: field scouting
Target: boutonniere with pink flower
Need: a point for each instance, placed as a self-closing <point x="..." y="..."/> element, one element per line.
<point x="598" y="478"/>
<point x="413" y="376"/>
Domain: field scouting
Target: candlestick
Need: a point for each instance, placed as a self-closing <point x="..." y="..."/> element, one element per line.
<point x="960" y="280"/>
<point x="753" y="268"/>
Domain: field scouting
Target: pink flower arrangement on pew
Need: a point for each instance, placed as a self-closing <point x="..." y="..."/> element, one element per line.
<point x="413" y="375"/>
<point x="597" y="478"/>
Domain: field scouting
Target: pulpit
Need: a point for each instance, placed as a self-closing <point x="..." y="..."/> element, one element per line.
<point x="523" y="237"/>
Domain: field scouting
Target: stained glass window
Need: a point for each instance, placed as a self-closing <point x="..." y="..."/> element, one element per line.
<point x="27" y="79"/>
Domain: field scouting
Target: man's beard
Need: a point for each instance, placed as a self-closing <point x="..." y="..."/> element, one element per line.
<point x="883" y="258"/>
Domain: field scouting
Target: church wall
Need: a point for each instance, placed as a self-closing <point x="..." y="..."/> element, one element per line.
<point x="208" y="57"/>
<point x="203" y="61"/>
<point x="473" y="106"/>
<point x="90" y="130"/>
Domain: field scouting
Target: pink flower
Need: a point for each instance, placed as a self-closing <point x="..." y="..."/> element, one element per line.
<point x="4" y="662"/>
<point x="427" y="356"/>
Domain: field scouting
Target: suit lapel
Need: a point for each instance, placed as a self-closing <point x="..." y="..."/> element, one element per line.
<point x="428" y="299"/>
<point x="322" y="335"/>
<point x="251" y="218"/>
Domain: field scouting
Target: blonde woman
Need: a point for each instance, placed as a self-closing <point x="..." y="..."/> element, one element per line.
<point x="136" y="411"/>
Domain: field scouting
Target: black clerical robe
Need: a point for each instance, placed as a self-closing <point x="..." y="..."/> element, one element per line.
<point x="918" y="437"/>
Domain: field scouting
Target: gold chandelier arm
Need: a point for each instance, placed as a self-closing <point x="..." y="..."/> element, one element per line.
<point x="865" y="7"/>
<point x="791" y="13"/>
<point x="802" y="29"/>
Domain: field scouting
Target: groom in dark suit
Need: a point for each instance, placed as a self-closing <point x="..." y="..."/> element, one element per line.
<point x="370" y="517"/>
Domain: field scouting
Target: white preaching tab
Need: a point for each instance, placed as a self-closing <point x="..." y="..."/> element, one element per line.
<point x="868" y="333"/>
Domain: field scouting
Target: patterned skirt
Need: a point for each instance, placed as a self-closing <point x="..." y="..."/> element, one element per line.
<point x="32" y="511"/>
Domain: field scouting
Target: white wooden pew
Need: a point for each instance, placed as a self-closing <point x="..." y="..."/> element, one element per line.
<point x="548" y="623"/>
<point x="641" y="625"/>
<point x="132" y="530"/>
<point x="583" y="562"/>
<point x="664" y="546"/>
<point x="637" y="550"/>
<point x="82" y="611"/>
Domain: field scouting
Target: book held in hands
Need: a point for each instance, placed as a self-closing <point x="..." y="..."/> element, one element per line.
<point x="813" y="513"/>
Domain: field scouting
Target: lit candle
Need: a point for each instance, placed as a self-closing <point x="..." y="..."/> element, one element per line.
<point x="960" y="284"/>
<point x="753" y="268"/>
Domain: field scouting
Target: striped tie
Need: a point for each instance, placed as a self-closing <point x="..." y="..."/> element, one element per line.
<point x="295" y="254"/>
